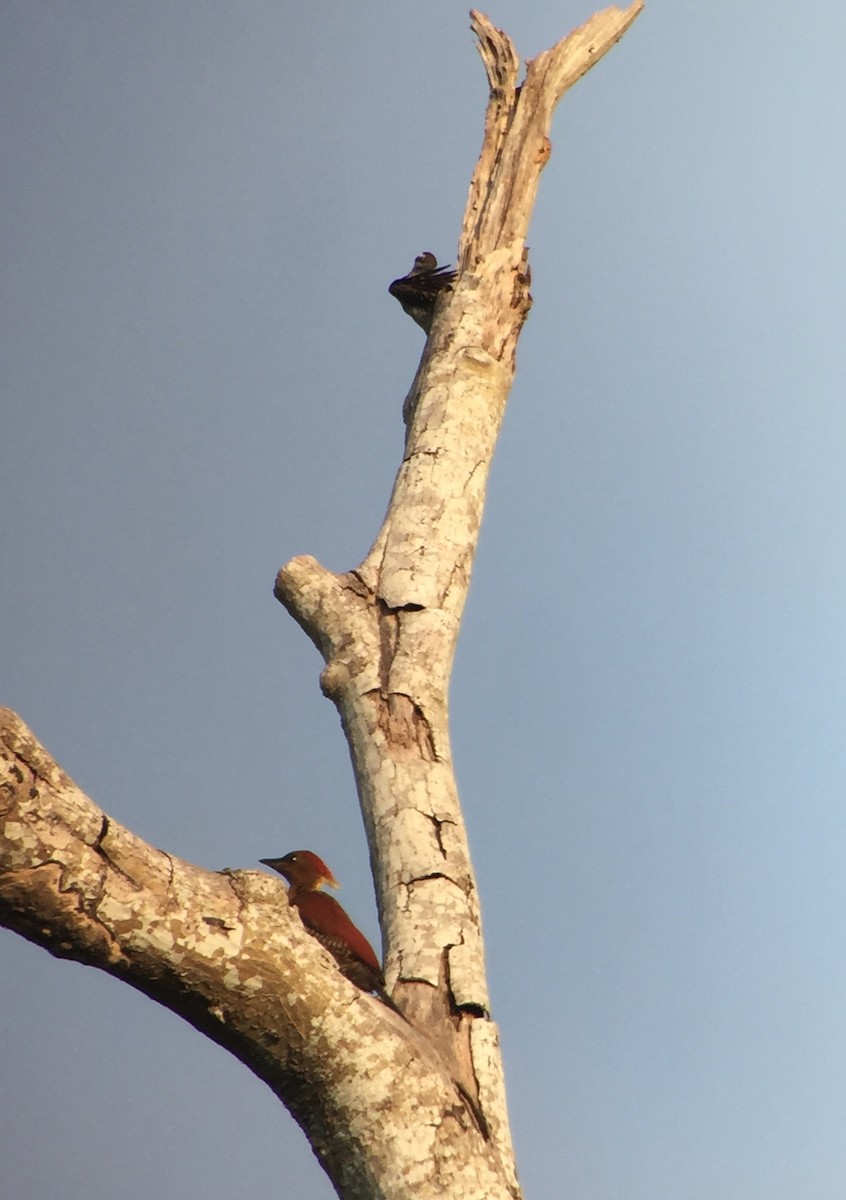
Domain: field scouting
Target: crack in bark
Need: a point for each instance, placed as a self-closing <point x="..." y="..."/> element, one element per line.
<point x="20" y="767"/>
<point x="404" y="725"/>
<point x="97" y="845"/>
<point x="352" y="582"/>
<point x="388" y="636"/>
<point x="233" y="878"/>
<point x="438" y="824"/>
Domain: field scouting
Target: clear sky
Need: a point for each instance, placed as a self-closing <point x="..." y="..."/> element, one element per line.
<point x="203" y="204"/>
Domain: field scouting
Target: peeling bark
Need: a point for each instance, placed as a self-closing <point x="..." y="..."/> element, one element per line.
<point x="224" y="949"/>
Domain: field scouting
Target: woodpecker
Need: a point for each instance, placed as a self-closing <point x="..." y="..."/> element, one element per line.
<point x="418" y="291"/>
<point x="324" y="918"/>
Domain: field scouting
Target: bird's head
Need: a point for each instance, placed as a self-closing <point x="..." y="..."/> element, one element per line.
<point x="424" y="262"/>
<point x="303" y="870"/>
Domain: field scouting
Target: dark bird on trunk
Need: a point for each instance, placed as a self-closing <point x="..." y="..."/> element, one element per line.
<point x="324" y="918"/>
<point x="418" y="291"/>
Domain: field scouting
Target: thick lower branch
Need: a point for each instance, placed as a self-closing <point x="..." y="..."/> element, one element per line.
<point x="225" y="951"/>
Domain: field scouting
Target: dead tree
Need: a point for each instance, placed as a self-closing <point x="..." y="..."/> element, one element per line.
<point x="393" y="1108"/>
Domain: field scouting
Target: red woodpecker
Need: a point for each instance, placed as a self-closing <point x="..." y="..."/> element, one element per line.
<point x="324" y="918"/>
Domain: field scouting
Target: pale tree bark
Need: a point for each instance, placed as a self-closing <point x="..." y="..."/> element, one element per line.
<point x="394" y="1109"/>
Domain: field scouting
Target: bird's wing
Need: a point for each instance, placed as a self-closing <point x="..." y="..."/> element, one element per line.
<point x="323" y="914"/>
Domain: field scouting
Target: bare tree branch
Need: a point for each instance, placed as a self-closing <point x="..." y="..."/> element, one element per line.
<point x="390" y="657"/>
<point x="376" y="1095"/>
<point x="225" y="951"/>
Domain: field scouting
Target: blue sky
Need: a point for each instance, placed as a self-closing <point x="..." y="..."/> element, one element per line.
<point x="203" y="206"/>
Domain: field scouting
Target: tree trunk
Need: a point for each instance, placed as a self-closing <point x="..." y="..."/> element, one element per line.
<point x="393" y="1108"/>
